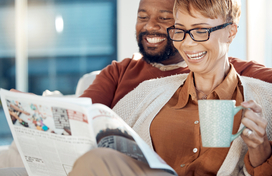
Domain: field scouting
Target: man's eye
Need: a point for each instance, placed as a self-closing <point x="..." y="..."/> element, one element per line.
<point x="142" y="17"/>
<point x="165" y="18"/>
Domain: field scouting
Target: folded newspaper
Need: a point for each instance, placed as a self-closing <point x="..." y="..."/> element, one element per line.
<point x="52" y="132"/>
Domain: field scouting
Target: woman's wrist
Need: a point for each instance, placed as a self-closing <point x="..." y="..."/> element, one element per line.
<point x="259" y="155"/>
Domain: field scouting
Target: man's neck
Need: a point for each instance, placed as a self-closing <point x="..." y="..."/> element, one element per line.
<point x="173" y="59"/>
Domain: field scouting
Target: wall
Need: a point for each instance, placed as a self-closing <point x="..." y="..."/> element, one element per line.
<point x="127" y="15"/>
<point x="256" y="19"/>
<point x="238" y="47"/>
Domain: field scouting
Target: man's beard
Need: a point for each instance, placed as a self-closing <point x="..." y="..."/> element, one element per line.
<point x="163" y="55"/>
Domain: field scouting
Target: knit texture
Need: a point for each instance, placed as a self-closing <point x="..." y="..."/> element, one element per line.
<point x="139" y="107"/>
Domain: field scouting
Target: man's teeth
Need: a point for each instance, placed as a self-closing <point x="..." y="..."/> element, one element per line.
<point x="155" y="40"/>
<point x="196" y="56"/>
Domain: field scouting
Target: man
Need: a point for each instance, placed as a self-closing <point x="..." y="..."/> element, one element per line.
<point x="159" y="58"/>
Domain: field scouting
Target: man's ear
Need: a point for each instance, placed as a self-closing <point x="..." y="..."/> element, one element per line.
<point x="232" y="32"/>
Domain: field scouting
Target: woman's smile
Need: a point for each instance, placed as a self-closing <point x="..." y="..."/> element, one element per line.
<point x="195" y="56"/>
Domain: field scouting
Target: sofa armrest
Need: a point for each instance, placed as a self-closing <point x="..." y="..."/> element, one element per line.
<point x="10" y="157"/>
<point x="85" y="81"/>
<point x="13" y="171"/>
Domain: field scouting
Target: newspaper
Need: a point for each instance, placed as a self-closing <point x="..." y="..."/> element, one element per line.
<point x="51" y="133"/>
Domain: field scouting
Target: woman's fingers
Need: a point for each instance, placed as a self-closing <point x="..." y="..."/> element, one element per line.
<point x="252" y="105"/>
<point x="14" y="90"/>
<point x="255" y="125"/>
<point x="255" y="133"/>
<point x="253" y="118"/>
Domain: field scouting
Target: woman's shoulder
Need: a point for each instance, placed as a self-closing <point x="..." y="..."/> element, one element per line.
<point x="178" y="78"/>
<point x="254" y="81"/>
<point x="257" y="90"/>
<point x="256" y="87"/>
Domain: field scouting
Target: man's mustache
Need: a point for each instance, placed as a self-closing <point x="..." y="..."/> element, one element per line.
<point x="152" y="34"/>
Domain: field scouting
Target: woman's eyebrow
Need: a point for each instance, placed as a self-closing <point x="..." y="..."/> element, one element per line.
<point x="192" y="24"/>
<point x="179" y="24"/>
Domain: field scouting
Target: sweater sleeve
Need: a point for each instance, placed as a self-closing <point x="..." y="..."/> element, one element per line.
<point x="263" y="170"/>
<point x="103" y="88"/>
<point x="252" y="69"/>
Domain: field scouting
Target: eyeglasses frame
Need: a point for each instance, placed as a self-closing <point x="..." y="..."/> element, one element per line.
<point x="222" y="26"/>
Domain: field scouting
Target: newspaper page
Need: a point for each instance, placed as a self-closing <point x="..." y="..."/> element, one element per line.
<point x="112" y="132"/>
<point x="50" y="133"/>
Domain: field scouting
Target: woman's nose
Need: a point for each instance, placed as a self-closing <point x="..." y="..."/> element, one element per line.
<point x="188" y="41"/>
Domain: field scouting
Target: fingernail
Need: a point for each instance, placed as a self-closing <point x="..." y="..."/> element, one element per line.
<point x="244" y="103"/>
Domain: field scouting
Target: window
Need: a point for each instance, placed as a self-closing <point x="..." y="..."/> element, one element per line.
<point x="259" y="31"/>
<point x="66" y="39"/>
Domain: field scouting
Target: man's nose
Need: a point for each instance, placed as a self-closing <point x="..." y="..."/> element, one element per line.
<point x="152" y="25"/>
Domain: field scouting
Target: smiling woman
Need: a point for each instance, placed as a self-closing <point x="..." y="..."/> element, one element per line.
<point x="202" y="34"/>
<point x="217" y="32"/>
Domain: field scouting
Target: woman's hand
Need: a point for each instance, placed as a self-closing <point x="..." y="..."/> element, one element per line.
<point x="14" y="90"/>
<point x="255" y="135"/>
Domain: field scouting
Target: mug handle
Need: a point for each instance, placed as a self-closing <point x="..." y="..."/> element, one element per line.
<point x="236" y="110"/>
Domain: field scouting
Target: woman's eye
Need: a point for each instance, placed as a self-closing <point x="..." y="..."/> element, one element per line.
<point x="179" y="32"/>
<point x="201" y="31"/>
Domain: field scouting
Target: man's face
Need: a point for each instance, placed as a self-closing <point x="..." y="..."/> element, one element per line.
<point x="154" y="17"/>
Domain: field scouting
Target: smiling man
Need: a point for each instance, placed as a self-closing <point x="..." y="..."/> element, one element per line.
<point x="158" y="57"/>
<point x="154" y="17"/>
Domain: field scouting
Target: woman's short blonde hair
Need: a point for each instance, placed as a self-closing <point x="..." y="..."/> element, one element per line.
<point x="229" y="10"/>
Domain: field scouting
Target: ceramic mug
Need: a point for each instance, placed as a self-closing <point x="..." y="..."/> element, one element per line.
<point x="216" y="122"/>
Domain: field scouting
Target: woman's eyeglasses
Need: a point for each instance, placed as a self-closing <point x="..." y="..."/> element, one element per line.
<point x="197" y="34"/>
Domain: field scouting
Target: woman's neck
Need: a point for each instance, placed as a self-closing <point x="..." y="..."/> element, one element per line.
<point x="206" y="83"/>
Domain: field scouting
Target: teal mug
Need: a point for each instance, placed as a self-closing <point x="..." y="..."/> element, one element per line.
<point x="216" y="122"/>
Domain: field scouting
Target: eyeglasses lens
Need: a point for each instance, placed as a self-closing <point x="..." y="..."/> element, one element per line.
<point x="200" y="34"/>
<point x="195" y="34"/>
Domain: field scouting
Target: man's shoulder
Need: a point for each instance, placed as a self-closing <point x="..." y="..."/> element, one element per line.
<point x="238" y="62"/>
<point x="251" y="69"/>
<point x="135" y="60"/>
<point x="244" y="63"/>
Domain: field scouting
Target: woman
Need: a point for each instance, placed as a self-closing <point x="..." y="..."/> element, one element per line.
<point x="202" y="34"/>
<point x="164" y="112"/>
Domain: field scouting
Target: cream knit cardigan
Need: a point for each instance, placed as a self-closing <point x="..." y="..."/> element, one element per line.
<point x="139" y="107"/>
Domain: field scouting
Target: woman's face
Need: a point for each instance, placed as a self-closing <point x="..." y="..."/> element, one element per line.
<point x="203" y="57"/>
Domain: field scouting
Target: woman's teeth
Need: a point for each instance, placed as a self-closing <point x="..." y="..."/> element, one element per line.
<point x="154" y="39"/>
<point x="197" y="56"/>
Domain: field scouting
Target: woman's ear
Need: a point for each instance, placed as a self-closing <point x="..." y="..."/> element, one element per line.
<point x="232" y="32"/>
